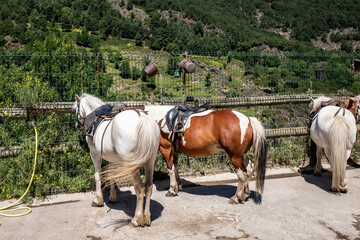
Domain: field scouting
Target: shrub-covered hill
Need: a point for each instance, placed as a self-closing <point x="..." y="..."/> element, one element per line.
<point x="211" y="25"/>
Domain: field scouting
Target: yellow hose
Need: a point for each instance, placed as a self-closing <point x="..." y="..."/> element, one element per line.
<point x="9" y="208"/>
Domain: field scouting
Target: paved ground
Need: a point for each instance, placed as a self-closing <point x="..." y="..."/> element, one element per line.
<point x="297" y="207"/>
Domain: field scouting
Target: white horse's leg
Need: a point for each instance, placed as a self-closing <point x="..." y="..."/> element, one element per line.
<point x="138" y="219"/>
<point x="343" y="180"/>
<point x="99" y="199"/>
<point x="112" y="197"/>
<point x="173" y="190"/>
<point x="149" y="172"/>
<point x="319" y="155"/>
<point x="242" y="191"/>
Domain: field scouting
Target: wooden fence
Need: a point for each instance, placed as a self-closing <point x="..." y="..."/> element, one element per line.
<point x="66" y="107"/>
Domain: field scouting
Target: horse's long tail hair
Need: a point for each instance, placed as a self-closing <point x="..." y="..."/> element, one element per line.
<point x="340" y="141"/>
<point x="147" y="145"/>
<point x="260" y="152"/>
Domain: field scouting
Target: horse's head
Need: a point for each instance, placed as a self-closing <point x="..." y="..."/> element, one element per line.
<point x="84" y="105"/>
<point x="80" y="119"/>
<point x="352" y="104"/>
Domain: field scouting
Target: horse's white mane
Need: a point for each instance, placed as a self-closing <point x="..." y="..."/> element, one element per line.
<point x="316" y="102"/>
<point x="90" y="99"/>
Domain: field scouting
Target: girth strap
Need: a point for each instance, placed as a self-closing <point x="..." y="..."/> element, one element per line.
<point x="339" y="111"/>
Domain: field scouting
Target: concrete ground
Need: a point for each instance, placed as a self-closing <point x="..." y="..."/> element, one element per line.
<point x="291" y="207"/>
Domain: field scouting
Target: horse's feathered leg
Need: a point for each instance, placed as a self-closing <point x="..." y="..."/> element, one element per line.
<point x="138" y="219"/>
<point x="99" y="199"/>
<point x="173" y="190"/>
<point x="242" y="191"/>
<point x="319" y="155"/>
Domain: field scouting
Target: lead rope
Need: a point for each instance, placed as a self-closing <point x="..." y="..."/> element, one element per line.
<point x="10" y="207"/>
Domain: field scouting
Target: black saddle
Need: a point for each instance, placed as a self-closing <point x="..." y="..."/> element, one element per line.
<point x="177" y="117"/>
<point x="93" y="120"/>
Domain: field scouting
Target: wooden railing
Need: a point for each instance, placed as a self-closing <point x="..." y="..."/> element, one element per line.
<point x="66" y="107"/>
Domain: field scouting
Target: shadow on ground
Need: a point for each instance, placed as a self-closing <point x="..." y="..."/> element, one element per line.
<point x="323" y="181"/>
<point x="127" y="203"/>
<point x="225" y="191"/>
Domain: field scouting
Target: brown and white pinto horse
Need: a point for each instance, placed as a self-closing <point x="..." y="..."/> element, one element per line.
<point x="352" y="104"/>
<point x="210" y="132"/>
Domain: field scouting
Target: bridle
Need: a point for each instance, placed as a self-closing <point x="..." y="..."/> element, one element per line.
<point x="80" y="120"/>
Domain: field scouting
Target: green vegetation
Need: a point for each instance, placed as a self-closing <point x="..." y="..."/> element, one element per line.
<point x="215" y="25"/>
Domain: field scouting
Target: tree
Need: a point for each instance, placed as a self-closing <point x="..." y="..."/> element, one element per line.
<point x="129" y="5"/>
<point x="208" y="80"/>
<point x="198" y="28"/>
<point x="138" y="39"/>
<point x="172" y="48"/>
<point x="346" y="46"/>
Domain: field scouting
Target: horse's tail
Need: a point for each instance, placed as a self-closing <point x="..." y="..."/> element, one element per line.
<point x="147" y="145"/>
<point x="340" y="141"/>
<point x="260" y="152"/>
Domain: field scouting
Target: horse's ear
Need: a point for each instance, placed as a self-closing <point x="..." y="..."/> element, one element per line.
<point x="311" y="99"/>
<point x="77" y="98"/>
<point x="350" y="102"/>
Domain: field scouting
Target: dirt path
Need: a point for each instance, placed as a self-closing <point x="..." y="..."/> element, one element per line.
<point x="299" y="207"/>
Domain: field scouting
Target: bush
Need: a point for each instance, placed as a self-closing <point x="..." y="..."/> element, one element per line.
<point x="208" y="80"/>
<point x="135" y="73"/>
<point x="125" y="69"/>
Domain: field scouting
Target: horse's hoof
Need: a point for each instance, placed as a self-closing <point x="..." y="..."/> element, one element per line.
<point x="93" y="204"/>
<point x="343" y="190"/>
<point x="336" y="190"/>
<point x="318" y="174"/>
<point x="137" y="223"/>
<point x="233" y="202"/>
<point x="133" y="223"/>
<point x="148" y="222"/>
<point x="171" y="194"/>
<point x="112" y="200"/>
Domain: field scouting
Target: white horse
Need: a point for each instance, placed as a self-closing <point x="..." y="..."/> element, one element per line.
<point x="333" y="129"/>
<point x="129" y="142"/>
<point x="158" y="112"/>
